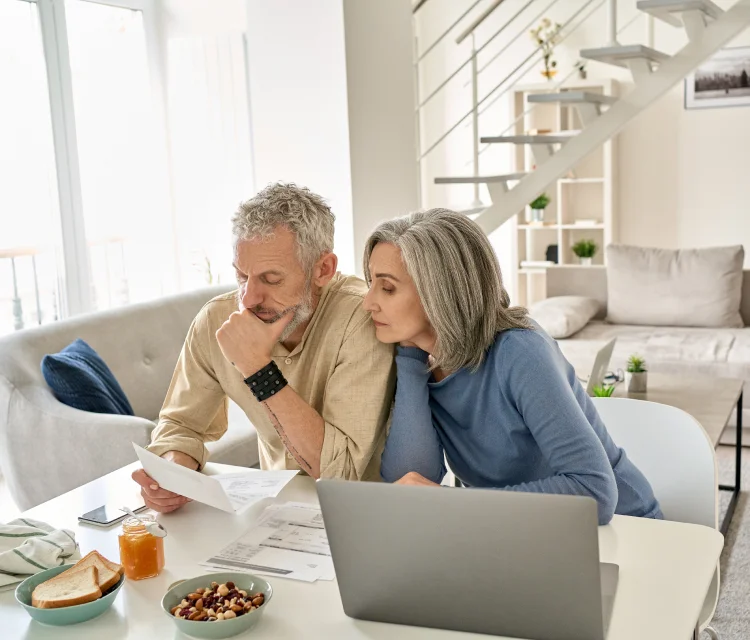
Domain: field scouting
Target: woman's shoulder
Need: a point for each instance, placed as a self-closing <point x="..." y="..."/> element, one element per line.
<point x="512" y="344"/>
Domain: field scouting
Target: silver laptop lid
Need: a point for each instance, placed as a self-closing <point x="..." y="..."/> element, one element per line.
<point x="499" y="562"/>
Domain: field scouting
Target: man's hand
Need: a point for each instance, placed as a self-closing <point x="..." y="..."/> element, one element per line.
<point x="246" y="341"/>
<point x="416" y="479"/>
<point x="158" y="499"/>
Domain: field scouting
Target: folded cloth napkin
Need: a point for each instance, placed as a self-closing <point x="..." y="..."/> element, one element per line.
<point x="29" y="546"/>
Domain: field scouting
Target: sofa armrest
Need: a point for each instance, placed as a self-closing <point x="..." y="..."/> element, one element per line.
<point x="48" y="448"/>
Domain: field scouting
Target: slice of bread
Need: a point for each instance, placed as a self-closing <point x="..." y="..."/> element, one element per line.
<point x="67" y="589"/>
<point x="109" y="573"/>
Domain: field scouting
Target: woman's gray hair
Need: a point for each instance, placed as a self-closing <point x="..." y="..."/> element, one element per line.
<point x="297" y="208"/>
<point x="458" y="279"/>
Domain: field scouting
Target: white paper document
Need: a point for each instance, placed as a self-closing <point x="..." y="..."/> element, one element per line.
<point x="232" y="492"/>
<point x="288" y="541"/>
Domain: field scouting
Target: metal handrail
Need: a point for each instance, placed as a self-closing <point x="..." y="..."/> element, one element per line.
<point x="418" y="6"/>
<point x="559" y="85"/>
<point x="475" y="53"/>
<point x="572" y="31"/>
<point x="512" y="73"/>
<point x="446" y="32"/>
<point x="484" y="15"/>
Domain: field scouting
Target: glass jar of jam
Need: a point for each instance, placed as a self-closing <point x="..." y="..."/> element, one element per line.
<point x="141" y="554"/>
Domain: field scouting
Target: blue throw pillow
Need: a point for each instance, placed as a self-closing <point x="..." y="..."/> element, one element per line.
<point x="79" y="378"/>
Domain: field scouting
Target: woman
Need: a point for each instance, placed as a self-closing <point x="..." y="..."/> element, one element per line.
<point x="478" y="380"/>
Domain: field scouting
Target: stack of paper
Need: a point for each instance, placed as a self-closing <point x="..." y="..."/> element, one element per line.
<point x="232" y="492"/>
<point x="288" y="541"/>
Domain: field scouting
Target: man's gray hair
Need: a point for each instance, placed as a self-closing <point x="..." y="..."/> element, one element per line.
<point x="458" y="279"/>
<point x="298" y="209"/>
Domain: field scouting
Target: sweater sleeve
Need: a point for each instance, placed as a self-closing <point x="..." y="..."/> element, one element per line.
<point x="413" y="443"/>
<point x="535" y="382"/>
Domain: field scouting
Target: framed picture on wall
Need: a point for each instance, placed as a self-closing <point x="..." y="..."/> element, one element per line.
<point x="722" y="81"/>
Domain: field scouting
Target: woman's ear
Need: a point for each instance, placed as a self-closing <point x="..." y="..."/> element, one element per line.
<point x="325" y="269"/>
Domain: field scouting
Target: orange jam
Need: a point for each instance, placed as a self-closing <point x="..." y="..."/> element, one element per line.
<point x="141" y="554"/>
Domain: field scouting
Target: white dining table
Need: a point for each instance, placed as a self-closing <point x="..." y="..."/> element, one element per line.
<point x="665" y="572"/>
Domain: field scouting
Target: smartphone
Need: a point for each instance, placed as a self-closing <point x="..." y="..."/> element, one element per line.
<point x="107" y="515"/>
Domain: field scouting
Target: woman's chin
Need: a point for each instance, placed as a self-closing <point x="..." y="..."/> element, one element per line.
<point x="384" y="335"/>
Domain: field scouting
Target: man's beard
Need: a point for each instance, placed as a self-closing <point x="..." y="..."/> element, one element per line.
<point x="302" y="312"/>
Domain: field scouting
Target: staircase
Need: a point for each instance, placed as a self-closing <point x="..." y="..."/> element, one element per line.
<point x="654" y="73"/>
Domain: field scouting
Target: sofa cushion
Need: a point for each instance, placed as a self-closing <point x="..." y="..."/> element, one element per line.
<point x="562" y="316"/>
<point x="678" y="288"/>
<point x="80" y="379"/>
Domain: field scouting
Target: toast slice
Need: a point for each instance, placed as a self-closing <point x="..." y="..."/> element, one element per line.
<point x="109" y="573"/>
<point x="67" y="589"/>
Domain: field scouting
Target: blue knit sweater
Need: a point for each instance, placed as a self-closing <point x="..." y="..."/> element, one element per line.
<point x="522" y="422"/>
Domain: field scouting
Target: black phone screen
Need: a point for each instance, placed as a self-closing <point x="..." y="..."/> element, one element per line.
<point x="109" y="514"/>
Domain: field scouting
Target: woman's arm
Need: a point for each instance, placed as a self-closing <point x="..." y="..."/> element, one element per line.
<point x="413" y="443"/>
<point x="535" y="381"/>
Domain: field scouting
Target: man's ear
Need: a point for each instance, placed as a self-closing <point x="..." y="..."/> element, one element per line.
<point x="325" y="269"/>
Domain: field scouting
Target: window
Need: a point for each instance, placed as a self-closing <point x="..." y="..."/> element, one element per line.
<point x="29" y="213"/>
<point x="122" y="157"/>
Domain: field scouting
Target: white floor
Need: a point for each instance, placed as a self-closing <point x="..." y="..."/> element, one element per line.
<point x="8" y="509"/>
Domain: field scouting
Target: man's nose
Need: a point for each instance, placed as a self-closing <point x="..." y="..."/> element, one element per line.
<point x="252" y="296"/>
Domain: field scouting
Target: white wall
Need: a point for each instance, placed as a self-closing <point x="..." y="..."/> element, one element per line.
<point x="380" y="90"/>
<point x="334" y="112"/>
<point x="682" y="174"/>
<point x="298" y="103"/>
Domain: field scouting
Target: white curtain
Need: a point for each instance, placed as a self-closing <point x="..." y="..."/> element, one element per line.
<point x="209" y="128"/>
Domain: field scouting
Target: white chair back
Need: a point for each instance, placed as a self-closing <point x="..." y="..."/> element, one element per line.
<point x="672" y="450"/>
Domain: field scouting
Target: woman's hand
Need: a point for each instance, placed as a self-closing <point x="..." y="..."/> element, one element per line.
<point x="416" y="479"/>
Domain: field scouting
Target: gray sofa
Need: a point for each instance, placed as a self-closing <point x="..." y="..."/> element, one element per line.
<point x="716" y="352"/>
<point x="48" y="448"/>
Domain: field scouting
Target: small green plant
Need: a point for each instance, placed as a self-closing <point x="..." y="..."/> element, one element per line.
<point x="636" y="364"/>
<point x="604" y="391"/>
<point x="541" y="202"/>
<point x="585" y="248"/>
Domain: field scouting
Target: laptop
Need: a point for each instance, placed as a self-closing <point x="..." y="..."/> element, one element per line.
<point x="599" y="370"/>
<point x="506" y="563"/>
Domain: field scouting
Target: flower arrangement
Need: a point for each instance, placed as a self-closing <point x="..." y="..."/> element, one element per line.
<point x="546" y="36"/>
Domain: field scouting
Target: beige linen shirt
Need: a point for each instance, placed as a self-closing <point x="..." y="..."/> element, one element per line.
<point x="339" y="368"/>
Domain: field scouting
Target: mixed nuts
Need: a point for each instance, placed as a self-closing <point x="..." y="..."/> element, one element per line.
<point x="217" y="602"/>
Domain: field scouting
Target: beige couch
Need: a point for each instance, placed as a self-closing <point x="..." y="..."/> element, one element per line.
<point x="717" y="352"/>
<point x="47" y="448"/>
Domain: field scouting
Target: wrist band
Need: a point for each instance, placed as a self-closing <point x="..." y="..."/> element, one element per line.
<point x="267" y="382"/>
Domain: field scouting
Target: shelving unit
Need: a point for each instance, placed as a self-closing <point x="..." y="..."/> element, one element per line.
<point x="588" y="193"/>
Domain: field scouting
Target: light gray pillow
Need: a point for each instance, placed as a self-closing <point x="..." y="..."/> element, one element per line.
<point x="675" y="288"/>
<point x="562" y="316"/>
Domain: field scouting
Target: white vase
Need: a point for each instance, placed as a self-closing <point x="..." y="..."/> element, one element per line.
<point x="636" y="382"/>
<point x="536" y="216"/>
<point x="585" y="262"/>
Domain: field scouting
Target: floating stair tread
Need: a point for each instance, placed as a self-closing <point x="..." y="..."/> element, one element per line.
<point x="669" y="10"/>
<point x="545" y="138"/>
<point x="480" y="179"/>
<point x="572" y="97"/>
<point x="618" y="56"/>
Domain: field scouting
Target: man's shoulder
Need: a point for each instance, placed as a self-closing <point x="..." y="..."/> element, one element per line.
<point x="216" y="311"/>
<point x="345" y="304"/>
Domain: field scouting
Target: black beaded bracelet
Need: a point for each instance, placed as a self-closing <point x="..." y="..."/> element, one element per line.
<point x="267" y="382"/>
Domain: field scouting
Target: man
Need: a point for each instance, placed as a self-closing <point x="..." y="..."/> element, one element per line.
<point x="293" y="347"/>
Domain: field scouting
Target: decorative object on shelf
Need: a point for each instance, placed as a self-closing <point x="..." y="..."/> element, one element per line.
<point x="581" y="66"/>
<point x="636" y="376"/>
<point x="552" y="253"/>
<point x="535" y="210"/>
<point x="585" y="250"/>
<point x="546" y="36"/>
<point x="603" y="391"/>
<point x="722" y="81"/>
<point x="538" y="132"/>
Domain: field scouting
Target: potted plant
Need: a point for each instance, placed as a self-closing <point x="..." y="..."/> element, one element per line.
<point x="546" y="36"/>
<point x="535" y="212"/>
<point x="585" y="250"/>
<point x="581" y="66"/>
<point x="636" y="375"/>
<point x="603" y="391"/>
